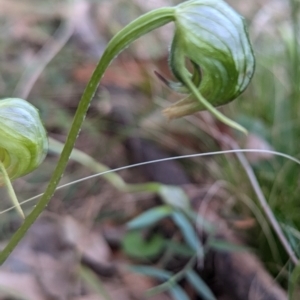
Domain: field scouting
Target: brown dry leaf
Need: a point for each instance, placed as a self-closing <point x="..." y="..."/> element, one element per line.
<point x="18" y="9"/>
<point x="116" y="294"/>
<point x="22" y="286"/>
<point x="58" y="278"/>
<point x="137" y="284"/>
<point x="244" y="224"/>
<point x="117" y="290"/>
<point x="105" y="290"/>
<point x="123" y="73"/>
<point x="49" y="257"/>
<point x="48" y="261"/>
<point x="83" y="73"/>
<point x="91" y="245"/>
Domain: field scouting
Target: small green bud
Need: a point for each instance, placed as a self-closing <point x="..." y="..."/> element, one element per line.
<point x="214" y="38"/>
<point x="23" y="139"/>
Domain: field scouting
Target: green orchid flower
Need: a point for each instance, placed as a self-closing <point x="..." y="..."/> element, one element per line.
<point x="214" y="38"/>
<point x="23" y="141"/>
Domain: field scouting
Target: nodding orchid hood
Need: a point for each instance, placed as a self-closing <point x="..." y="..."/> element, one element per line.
<point x="23" y="139"/>
<point x="213" y="37"/>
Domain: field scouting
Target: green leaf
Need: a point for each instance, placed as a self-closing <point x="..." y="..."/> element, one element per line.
<point x="294" y="282"/>
<point x="201" y="222"/>
<point x="136" y="246"/>
<point x="199" y="285"/>
<point x="188" y="232"/>
<point x="151" y="272"/>
<point x="178" y="293"/>
<point x="174" y="196"/>
<point x="150" y="217"/>
<point x="221" y="245"/>
<point x="175" y="290"/>
<point x="179" y="248"/>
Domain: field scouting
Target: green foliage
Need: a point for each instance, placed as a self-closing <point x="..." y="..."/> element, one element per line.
<point x="174" y="196"/>
<point x="170" y="282"/>
<point x="188" y="232"/>
<point x="150" y="217"/>
<point x="294" y="283"/>
<point x="138" y="246"/>
<point x="199" y="285"/>
<point x="270" y="110"/>
<point x="221" y="245"/>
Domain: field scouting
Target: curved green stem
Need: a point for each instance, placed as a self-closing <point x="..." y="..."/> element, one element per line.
<point x="87" y="161"/>
<point x="11" y="191"/>
<point x="121" y="40"/>
<point x="211" y="108"/>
